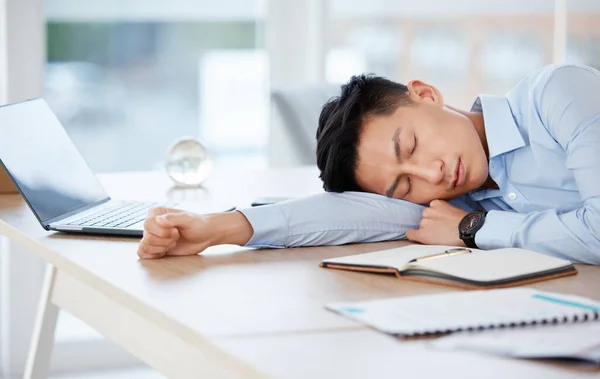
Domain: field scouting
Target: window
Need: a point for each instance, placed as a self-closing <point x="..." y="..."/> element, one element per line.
<point x="583" y="32"/>
<point x="127" y="79"/>
<point x="463" y="47"/>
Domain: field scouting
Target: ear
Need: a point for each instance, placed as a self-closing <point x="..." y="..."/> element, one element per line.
<point x="421" y="92"/>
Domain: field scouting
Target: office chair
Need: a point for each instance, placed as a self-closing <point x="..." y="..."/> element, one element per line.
<point x="298" y="110"/>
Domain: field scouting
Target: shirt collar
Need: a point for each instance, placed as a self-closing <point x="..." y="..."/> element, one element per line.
<point x="501" y="131"/>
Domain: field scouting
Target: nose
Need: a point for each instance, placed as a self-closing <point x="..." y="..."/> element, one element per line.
<point x="432" y="172"/>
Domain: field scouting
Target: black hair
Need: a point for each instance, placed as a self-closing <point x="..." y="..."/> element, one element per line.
<point x="341" y="122"/>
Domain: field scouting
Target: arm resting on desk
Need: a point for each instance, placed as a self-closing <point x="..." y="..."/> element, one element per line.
<point x="332" y="219"/>
<point x="322" y="219"/>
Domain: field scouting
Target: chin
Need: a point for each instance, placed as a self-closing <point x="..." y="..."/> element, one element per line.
<point x="477" y="184"/>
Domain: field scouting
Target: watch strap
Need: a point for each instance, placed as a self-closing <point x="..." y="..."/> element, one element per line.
<point x="470" y="241"/>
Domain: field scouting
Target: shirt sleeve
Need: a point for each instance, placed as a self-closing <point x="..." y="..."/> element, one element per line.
<point x="332" y="219"/>
<point x="569" y="106"/>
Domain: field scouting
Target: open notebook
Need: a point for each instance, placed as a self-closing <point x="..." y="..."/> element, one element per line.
<point x="459" y="267"/>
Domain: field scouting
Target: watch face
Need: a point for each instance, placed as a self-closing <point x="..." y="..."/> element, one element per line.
<point x="470" y="222"/>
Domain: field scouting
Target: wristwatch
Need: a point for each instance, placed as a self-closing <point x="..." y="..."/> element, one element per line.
<point x="469" y="225"/>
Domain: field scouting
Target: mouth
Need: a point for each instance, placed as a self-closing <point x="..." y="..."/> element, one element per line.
<point x="459" y="176"/>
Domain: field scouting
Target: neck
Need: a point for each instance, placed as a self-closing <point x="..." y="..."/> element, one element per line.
<point x="479" y="125"/>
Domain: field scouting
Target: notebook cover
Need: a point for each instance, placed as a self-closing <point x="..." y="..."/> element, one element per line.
<point x="554" y="274"/>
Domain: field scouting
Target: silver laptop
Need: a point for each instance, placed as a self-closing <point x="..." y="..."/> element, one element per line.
<point x="56" y="181"/>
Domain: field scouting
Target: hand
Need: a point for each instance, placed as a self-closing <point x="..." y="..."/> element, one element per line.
<point x="439" y="225"/>
<point x="175" y="232"/>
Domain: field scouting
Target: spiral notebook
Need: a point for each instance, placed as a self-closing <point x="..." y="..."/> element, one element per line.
<point x="449" y="312"/>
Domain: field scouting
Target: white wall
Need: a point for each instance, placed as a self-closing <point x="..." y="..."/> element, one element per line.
<point x="22" y="49"/>
<point x="148" y="10"/>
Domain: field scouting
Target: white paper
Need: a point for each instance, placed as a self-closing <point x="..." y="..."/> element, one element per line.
<point x="456" y="311"/>
<point x="577" y="341"/>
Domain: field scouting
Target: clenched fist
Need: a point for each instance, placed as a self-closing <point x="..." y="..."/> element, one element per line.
<point x="175" y="232"/>
<point x="439" y="225"/>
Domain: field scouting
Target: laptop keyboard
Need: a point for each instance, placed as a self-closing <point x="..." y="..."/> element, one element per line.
<point x="120" y="216"/>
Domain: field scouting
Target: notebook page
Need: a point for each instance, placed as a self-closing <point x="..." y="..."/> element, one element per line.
<point x="493" y="265"/>
<point x="397" y="257"/>
<point x="454" y="311"/>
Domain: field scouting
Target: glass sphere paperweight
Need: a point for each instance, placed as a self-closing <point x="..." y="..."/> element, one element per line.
<point x="188" y="163"/>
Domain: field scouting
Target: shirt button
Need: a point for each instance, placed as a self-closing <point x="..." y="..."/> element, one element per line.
<point x="512" y="196"/>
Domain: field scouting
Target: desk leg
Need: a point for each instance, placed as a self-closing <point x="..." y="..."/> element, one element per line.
<point x="38" y="360"/>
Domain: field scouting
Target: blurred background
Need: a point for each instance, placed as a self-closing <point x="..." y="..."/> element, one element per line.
<point x="149" y="72"/>
<point x="127" y="78"/>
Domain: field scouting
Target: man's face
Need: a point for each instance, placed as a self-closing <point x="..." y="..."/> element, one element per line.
<point x="421" y="153"/>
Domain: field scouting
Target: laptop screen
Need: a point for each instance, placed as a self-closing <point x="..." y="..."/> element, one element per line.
<point x="47" y="168"/>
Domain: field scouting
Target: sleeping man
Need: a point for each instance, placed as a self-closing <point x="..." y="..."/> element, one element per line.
<point x="521" y="170"/>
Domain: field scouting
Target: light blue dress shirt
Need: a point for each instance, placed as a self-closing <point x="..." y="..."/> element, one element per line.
<point x="544" y="144"/>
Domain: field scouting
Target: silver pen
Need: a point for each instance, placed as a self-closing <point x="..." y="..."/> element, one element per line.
<point x="447" y="253"/>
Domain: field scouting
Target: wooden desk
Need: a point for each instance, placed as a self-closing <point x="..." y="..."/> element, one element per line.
<point x="6" y="185"/>
<point x="241" y="313"/>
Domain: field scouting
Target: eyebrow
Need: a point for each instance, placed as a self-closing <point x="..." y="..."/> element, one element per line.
<point x="396" y="141"/>
<point x="392" y="189"/>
